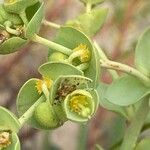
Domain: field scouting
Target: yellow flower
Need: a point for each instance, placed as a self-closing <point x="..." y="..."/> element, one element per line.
<point x="48" y="82"/>
<point x="4" y="139"/>
<point x="84" y="52"/>
<point x="79" y="104"/>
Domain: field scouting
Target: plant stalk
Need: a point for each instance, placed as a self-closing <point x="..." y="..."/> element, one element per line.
<point x="136" y="125"/>
<point x="125" y="68"/>
<point x="51" y="24"/>
<point x="30" y="111"/>
<point x="52" y="45"/>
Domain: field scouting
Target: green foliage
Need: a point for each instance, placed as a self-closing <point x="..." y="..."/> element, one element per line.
<point x="12" y="45"/>
<point x="55" y="70"/>
<point x="35" y="23"/>
<point x="102" y="89"/>
<point x="63" y="38"/>
<point x="143" y="144"/>
<point x="18" y="5"/>
<point x="9" y="121"/>
<point x="90" y="22"/>
<point x="125" y="91"/>
<point x="142" y="53"/>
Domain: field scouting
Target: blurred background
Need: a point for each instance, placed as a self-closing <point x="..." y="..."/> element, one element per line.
<point x="126" y="20"/>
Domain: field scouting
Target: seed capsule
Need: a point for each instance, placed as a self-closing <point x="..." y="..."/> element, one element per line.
<point x="46" y="117"/>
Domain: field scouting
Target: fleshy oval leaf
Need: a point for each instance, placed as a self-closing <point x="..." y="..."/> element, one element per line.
<point x="27" y="97"/>
<point x="18" y="6"/>
<point x="35" y="22"/>
<point x="53" y="70"/>
<point x="102" y="88"/>
<point x="90" y="22"/>
<point x="142" y="53"/>
<point x="12" y="45"/>
<point x="126" y="91"/>
<point x="77" y="38"/>
<point x="8" y="121"/>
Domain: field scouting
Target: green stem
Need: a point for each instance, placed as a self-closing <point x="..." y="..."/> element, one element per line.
<point x="82" y="137"/>
<point x="8" y="25"/>
<point x="51" y="24"/>
<point x="83" y="66"/>
<point x="88" y="7"/>
<point x="24" y="17"/>
<point x="51" y="45"/>
<point x="104" y="57"/>
<point x="30" y="111"/>
<point x="125" y="68"/>
<point x="136" y="125"/>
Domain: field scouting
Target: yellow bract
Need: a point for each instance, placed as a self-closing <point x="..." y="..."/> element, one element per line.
<point x="80" y="105"/>
<point x="84" y="52"/>
<point x="4" y="139"/>
<point x="46" y="81"/>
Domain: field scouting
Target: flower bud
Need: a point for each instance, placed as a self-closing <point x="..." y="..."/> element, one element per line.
<point x="79" y="106"/>
<point x="57" y="56"/>
<point x="46" y="117"/>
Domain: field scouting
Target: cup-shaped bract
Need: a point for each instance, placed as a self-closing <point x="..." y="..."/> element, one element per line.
<point x="75" y="40"/>
<point x="17" y="6"/>
<point x="80" y="105"/>
<point x="63" y="86"/>
<point x="9" y="126"/>
<point x="30" y="94"/>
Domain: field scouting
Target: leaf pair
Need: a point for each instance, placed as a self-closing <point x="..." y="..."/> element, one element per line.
<point x="91" y="22"/>
<point x="72" y="38"/>
<point x="13" y="43"/>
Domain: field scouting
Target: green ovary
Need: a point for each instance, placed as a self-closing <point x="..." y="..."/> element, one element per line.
<point x="45" y="116"/>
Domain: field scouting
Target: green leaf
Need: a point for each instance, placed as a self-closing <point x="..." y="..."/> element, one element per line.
<point x="8" y="121"/>
<point x="143" y="145"/>
<point x="93" y="2"/>
<point x="35" y="23"/>
<point x="11" y="45"/>
<point x="53" y="70"/>
<point x="91" y="22"/>
<point x="18" y="6"/>
<point x="15" y="143"/>
<point x="72" y="38"/>
<point x="102" y="88"/>
<point x="142" y="53"/>
<point x="27" y="97"/>
<point x="125" y="91"/>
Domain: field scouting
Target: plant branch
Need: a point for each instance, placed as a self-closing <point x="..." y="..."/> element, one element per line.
<point x="104" y="57"/>
<point x="125" y="68"/>
<point x="136" y="125"/>
<point x="51" y="24"/>
<point x="30" y="111"/>
<point x="52" y="45"/>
